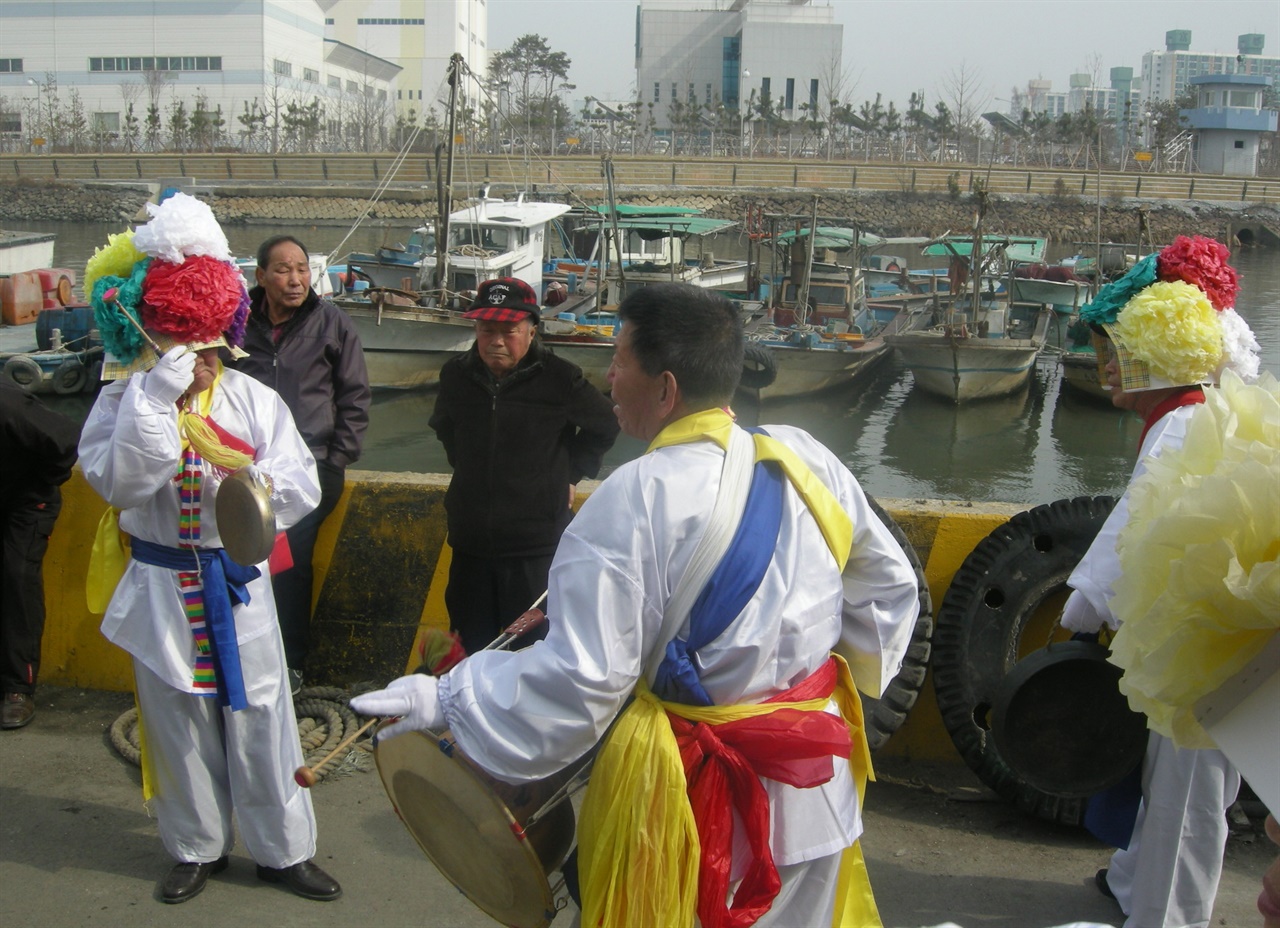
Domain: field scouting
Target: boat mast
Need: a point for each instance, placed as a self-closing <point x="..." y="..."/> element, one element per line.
<point x="444" y="180"/>
<point x="802" y="298"/>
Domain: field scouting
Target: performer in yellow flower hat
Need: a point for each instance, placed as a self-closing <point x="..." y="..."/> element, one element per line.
<point x="218" y="729"/>
<point x="697" y="597"/>
<point x="1168" y="333"/>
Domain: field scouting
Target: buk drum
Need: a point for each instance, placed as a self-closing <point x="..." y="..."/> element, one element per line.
<point x="496" y="842"/>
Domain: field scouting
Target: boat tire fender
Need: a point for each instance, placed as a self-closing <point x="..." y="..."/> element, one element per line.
<point x="24" y="372"/>
<point x="759" y="367"/>
<point x="884" y="716"/>
<point x="994" y="595"/>
<point x="70" y="377"/>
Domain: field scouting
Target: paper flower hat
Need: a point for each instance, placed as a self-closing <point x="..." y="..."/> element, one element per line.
<point x="1172" y="321"/>
<point x="174" y="276"/>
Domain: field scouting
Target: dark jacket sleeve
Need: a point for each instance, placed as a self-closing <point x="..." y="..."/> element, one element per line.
<point x="597" y="429"/>
<point x="351" y="397"/>
<point x="442" y="420"/>
<point x="39" y="445"/>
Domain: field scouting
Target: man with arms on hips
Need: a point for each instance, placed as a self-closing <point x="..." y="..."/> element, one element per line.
<point x="217" y="720"/>
<point x="1166" y="330"/>
<point x="701" y="588"/>
<point x="520" y="427"/>
<point x="307" y="350"/>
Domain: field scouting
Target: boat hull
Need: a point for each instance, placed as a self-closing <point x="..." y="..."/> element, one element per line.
<point x="1080" y="372"/>
<point x="804" y="371"/>
<point x="405" y="348"/>
<point x="963" y="369"/>
<point x="25" y="251"/>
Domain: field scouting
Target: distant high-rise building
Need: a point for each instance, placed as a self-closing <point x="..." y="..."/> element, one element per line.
<point x="1167" y="74"/>
<point x="420" y="37"/>
<point x="784" y="55"/>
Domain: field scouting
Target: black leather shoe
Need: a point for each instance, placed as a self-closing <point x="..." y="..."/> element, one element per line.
<point x="1100" y="878"/>
<point x="305" y="879"/>
<point x="19" y="709"/>
<point x="187" y="880"/>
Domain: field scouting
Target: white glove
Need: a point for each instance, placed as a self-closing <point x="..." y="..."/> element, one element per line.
<point x="415" y="699"/>
<point x="171" y="376"/>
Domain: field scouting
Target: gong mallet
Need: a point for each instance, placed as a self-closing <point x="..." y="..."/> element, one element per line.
<point x="307" y="777"/>
<point x="109" y="296"/>
<point x="528" y="620"/>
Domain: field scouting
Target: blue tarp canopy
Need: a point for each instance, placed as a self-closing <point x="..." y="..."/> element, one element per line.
<point x="836" y="237"/>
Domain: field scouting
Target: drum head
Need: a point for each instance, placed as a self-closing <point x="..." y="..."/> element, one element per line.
<point x="469" y="833"/>
<point x="246" y="522"/>
<point x="1062" y="724"/>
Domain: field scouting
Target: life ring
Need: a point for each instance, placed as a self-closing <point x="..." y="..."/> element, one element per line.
<point x="1000" y="606"/>
<point x="759" y="367"/>
<point x="70" y="377"/>
<point x="23" y="371"/>
<point x="882" y="717"/>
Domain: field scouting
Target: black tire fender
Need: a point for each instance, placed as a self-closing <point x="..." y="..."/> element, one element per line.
<point x="24" y="372"/>
<point x="883" y="716"/>
<point x="759" y="367"/>
<point x="992" y="599"/>
<point x="70" y="377"/>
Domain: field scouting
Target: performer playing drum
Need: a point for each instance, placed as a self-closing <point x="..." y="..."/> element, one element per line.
<point x="709" y="580"/>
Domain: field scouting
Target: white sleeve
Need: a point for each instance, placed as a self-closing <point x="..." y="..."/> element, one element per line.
<point x="129" y="447"/>
<point x="285" y="458"/>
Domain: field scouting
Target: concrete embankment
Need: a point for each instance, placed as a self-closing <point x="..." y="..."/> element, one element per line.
<point x="381" y="567"/>
<point x="1063" y="218"/>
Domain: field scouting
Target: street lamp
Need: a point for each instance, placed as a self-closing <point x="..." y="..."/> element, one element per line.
<point x="742" y="113"/>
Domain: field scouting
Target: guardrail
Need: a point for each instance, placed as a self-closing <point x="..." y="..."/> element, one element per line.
<point x="584" y="170"/>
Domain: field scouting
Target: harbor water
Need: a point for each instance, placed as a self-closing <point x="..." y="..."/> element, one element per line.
<point x="1045" y="443"/>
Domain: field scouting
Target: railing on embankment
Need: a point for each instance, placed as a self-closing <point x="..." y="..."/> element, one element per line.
<point x="584" y="170"/>
<point x="381" y="567"/>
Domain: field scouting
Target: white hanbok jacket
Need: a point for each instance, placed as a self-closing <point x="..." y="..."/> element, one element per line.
<point x="527" y="714"/>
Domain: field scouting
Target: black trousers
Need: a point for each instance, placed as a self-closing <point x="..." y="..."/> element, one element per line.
<point x="292" y="587"/>
<point x="486" y="594"/>
<point x="24" y="537"/>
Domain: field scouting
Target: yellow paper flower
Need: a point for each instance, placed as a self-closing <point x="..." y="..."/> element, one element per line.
<point x="114" y="259"/>
<point x="1199" y="592"/>
<point x="1174" y="328"/>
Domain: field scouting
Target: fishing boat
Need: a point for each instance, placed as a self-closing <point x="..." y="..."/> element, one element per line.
<point x="983" y="347"/>
<point x="60" y="353"/>
<point x="25" y="251"/>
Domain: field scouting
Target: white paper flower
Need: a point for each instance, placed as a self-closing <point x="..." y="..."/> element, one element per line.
<point x="180" y="227"/>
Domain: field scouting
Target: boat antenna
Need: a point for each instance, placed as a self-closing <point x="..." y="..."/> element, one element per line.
<point x="444" y="179"/>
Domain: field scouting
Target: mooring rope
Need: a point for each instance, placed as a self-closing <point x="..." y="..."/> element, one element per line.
<point x="324" y="719"/>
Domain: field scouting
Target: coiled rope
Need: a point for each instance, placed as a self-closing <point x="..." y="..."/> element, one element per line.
<point x="324" y="719"/>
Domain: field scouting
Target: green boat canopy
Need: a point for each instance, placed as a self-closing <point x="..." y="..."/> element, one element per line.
<point x="628" y="209"/>
<point x="832" y="237"/>
<point x="1019" y="248"/>
<point x="660" y="227"/>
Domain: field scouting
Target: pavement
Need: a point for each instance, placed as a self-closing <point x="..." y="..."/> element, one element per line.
<point x="77" y="848"/>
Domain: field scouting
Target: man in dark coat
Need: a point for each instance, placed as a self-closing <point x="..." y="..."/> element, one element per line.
<point x="307" y="350"/>
<point x="39" y="451"/>
<point x="521" y="427"/>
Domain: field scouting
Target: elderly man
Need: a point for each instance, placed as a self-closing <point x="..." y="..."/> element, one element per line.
<point x="307" y="350"/>
<point x="701" y="589"/>
<point x="520" y="427"/>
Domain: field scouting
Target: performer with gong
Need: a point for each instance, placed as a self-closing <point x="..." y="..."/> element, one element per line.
<point x="168" y="430"/>
<point x="697" y="598"/>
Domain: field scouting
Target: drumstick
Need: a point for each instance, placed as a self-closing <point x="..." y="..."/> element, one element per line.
<point x="528" y="620"/>
<point x="306" y="776"/>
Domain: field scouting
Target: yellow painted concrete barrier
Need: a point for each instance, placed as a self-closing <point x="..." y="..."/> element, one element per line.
<point x="381" y="564"/>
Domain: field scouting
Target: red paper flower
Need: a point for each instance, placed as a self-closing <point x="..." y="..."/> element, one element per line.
<point x="194" y="301"/>
<point x="1201" y="262"/>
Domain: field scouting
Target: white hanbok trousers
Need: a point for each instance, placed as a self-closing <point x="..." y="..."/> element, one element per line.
<point x="208" y="761"/>
<point x="1168" y="876"/>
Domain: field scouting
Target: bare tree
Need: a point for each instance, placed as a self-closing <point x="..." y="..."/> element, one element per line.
<point x="962" y="87"/>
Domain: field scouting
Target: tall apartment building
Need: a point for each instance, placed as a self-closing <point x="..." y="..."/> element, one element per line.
<point x="737" y="53"/>
<point x="419" y="36"/>
<point x="1167" y="74"/>
<point x="86" y="73"/>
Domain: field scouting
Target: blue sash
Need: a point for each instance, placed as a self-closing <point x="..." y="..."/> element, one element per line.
<point x="732" y="585"/>
<point x="224" y="584"/>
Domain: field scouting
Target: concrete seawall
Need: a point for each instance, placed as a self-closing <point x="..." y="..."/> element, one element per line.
<point x="381" y="567"/>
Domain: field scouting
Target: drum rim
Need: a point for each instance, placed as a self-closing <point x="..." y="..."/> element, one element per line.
<point x="434" y="751"/>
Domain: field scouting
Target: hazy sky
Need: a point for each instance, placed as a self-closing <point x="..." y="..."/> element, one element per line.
<point x="898" y="46"/>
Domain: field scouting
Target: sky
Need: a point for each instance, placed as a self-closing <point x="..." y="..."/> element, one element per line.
<point x="895" y="47"/>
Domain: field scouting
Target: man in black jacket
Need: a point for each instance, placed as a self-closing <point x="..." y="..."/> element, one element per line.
<point x="521" y="427"/>
<point x="307" y="350"/>
<point x="39" y="448"/>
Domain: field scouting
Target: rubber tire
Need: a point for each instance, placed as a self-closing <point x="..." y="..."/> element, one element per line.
<point x="70" y="377"/>
<point x="883" y="716"/>
<point x="759" y="367"/>
<point x="23" y="372"/>
<point x="994" y="594"/>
